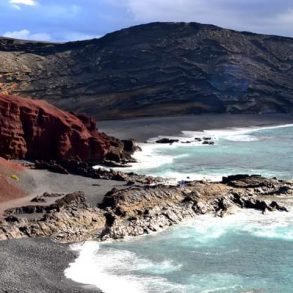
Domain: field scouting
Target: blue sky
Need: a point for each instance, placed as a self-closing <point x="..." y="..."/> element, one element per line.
<point x="66" y="20"/>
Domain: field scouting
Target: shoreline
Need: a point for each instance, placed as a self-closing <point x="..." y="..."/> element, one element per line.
<point x="178" y="217"/>
<point x="154" y="155"/>
<point x="37" y="265"/>
<point x="33" y="243"/>
<point x="142" y="129"/>
<point x="88" y="251"/>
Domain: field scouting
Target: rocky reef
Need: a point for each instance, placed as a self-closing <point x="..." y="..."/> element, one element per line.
<point x="34" y="129"/>
<point x="155" y="69"/>
<point x="141" y="209"/>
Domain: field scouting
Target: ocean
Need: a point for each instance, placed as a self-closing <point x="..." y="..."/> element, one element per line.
<point x="243" y="252"/>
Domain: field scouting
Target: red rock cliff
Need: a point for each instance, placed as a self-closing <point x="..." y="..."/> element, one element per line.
<point x="35" y="129"/>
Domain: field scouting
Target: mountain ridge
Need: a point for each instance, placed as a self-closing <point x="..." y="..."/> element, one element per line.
<point x="155" y="69"/>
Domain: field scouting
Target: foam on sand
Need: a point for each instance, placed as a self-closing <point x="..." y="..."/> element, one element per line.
<point x="111" y="270"/>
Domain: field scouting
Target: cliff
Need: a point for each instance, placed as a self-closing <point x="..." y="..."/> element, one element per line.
<point x="155" y="69"/>
<point x="34" y="129"/>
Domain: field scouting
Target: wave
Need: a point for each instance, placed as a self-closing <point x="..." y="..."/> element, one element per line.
<point x="110" y="267"/>
<point x="233" y="134"/>
<point x="157" y="159"/>
<point x="272" y="225"/>
<point x="113" y="269"/>
<point x="242" y="134"/>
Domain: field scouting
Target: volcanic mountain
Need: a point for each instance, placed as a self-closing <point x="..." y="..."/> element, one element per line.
<point x="155" y="69"/>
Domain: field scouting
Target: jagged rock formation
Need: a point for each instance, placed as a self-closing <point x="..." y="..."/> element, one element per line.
<point x="140" y="209"/>
<point x="34" y="129"/>
<point x="70" y="219"/>
<point x="155" y="69"/>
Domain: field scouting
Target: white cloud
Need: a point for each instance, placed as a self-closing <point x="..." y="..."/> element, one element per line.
<point x="166" y="10"/>
<point x="60" y="37"/>
<point x="27" y="35"/>
<point x="263" y="16"/>
<point x="77" y="36"/>
<point x="23" y="2"/>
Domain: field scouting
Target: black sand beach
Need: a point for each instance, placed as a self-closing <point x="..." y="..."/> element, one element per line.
<point x="142" y="129"/>
<point x="37" y="266"/>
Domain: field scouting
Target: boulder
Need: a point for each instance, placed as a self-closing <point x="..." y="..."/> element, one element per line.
<point x="167" y="140"/>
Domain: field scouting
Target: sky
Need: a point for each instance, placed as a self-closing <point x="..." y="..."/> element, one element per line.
<point x="70" y="20"/>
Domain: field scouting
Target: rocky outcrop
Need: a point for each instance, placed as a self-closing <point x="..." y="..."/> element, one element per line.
<point x="69" y="219"/>
<point x="155" y="69"/>
<point x="166" y="140"/>
<point x="138" y="210"/>
<point x="34" y="129"/>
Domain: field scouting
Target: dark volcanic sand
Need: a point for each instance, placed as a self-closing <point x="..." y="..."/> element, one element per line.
<point x="36" y="182"/>
<point x="36" y="266"/>
<point x="141" y="129"/>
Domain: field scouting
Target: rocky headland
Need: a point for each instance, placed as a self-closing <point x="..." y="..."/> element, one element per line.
<point x="140" y="209"/>
<point x="36" y="130"/>
<point x="156" y="69"/>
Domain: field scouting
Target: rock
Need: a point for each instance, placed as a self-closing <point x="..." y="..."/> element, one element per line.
<point x="275" y="206"/>
<point x="12" y="219"/>
<point x="244" y="180"/>
<point x="208" y="142"/>
<point x="69" y="219"/>
<point x="51" y="165"/>
<point x="167" y="140"/>
<point x="76" y="198"/>
<point x="137" y="209"/>
<point x="38" y="199"/>
<point x="130" y="146"/>
<point x="34" y="129"/>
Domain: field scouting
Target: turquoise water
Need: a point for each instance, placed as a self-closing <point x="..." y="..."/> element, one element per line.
<point x="245" y="252"/>
<point x="264" y="151"/>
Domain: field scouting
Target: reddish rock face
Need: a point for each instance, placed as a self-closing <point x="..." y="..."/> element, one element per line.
<point x="34" y="129"/>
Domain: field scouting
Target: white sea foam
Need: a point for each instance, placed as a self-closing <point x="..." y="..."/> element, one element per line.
<point x="153" y="157"/>
<point x="241" y="134"/>
<point x="270" y="225"/>
<point x="113" y="270"/>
